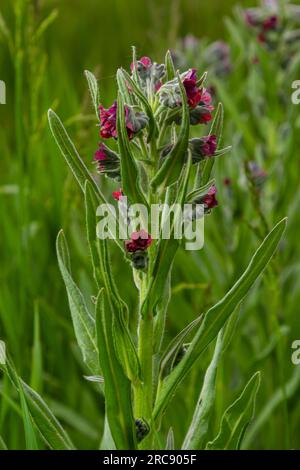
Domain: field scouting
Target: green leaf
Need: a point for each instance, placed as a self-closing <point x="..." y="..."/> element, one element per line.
<point x="167" y="248"/>
<point x="198" y="429"/>
<point x="30" y="437"/>
<point x="236" y="418"/>
<point x="94" y="90"/>
<point x="50" y="429"/>
<point x="36" y="362"/>
<point x="123" y="77"/>
<point x="173" y="163"/>
<point x="3" y="446"/>
<point x="48" y="426"/>
<point x="217" y="124"/>
<point x="278" y="397"/>
<point x="216" y="317"/>
<point x="83" y="322"/>
<point x="170" y="68"/>
<point x="174" y="346"/>
<point x="200" y="192"/>
<point x="129" y="170"/>
<point x="118" y="404"/>
<point x="170" y="445"/>
<point x="216" y="129"/>
<point x="71" y="155"/>
<point x="103" y="273"/>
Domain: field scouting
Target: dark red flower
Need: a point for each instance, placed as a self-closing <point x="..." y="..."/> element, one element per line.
<point x="139" y="241"/>
<point x="227" y="181"/>
<point x="144" y="62"/>
<point x="208" y="145"/>
<point x="108" y="121"/>
<point x="135" y="121"/>
<point x="209" y="200"/>
<point x="193" y="93"/>
<point x="117" y="194"/>
<point x="108" y="161"/>
<point x="204" y="147"/>
<point x="270" y="23"/>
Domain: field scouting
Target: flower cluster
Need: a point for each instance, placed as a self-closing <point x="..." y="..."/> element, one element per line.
<point x="264" y="25"/>
<point x="198" y="97"/>
<point x="150" y="74"/>
<point x="135" y="121"/>
<point x="136" y="247"/>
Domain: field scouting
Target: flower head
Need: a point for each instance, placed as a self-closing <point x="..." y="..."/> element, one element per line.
<point x="135" y="121"/>
<point x="209" y="200"/>
<point x="150" y="74"/>
<point x="139" y="241"/>
<point x="117" y="194"/>
<point x="204" y="147"/>
<point x="108" y="161"/>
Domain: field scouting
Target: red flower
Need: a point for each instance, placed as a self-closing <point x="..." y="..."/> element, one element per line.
<point x="193" y="93"/>
<point x="270" y="23"/>
<point x="145" y="62"/>
<point x="139" y="241"/>
<point x="204" y="147"/>
<point x="117" y="194"/>
<point x="209" y="200"/>
<point x="208" y="145"/>
<point x="108" y="161"/>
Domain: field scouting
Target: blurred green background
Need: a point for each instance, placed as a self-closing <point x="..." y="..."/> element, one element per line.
<point x="42" y="65"/>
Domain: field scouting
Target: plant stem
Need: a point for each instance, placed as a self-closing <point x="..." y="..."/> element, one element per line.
<point x="144" y="390"/>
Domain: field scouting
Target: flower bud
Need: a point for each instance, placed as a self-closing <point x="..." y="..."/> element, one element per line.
<point x="202" y="148"/>
<point x="135" y="121"/>
<point x="142" y="429"/>
<point x="108" y="162"/>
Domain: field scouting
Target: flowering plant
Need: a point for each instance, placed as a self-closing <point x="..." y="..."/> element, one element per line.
<point x="157" y="161"/>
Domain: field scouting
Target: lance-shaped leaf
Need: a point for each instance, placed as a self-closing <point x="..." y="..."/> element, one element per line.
<point x="200" y="192"/>
<point x="3" y="446"/>
<point x="216" y="317"/>
<point x="129" y="170"/>
<point x="94" y="90"/>
<point x="216" y="129"/>
<point x="70" y="153"/>
<point x="102" y="270"/>
<point x="83" y="322"/>
<point x="118" y="404"/>
<point x="236" y="418"/>
<point x="169" y="356"/>
<point x="170" y="445"/>
<point x="170" y="68"/>
<point x="124" y="79"/>
<point x="167" y="247"/>
<point x="198" y="429"/>
<point x="48" y="426"/>
<point x="171" y="168"/>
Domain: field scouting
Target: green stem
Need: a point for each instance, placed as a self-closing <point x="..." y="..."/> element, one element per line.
<point x="144" y="390"/>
